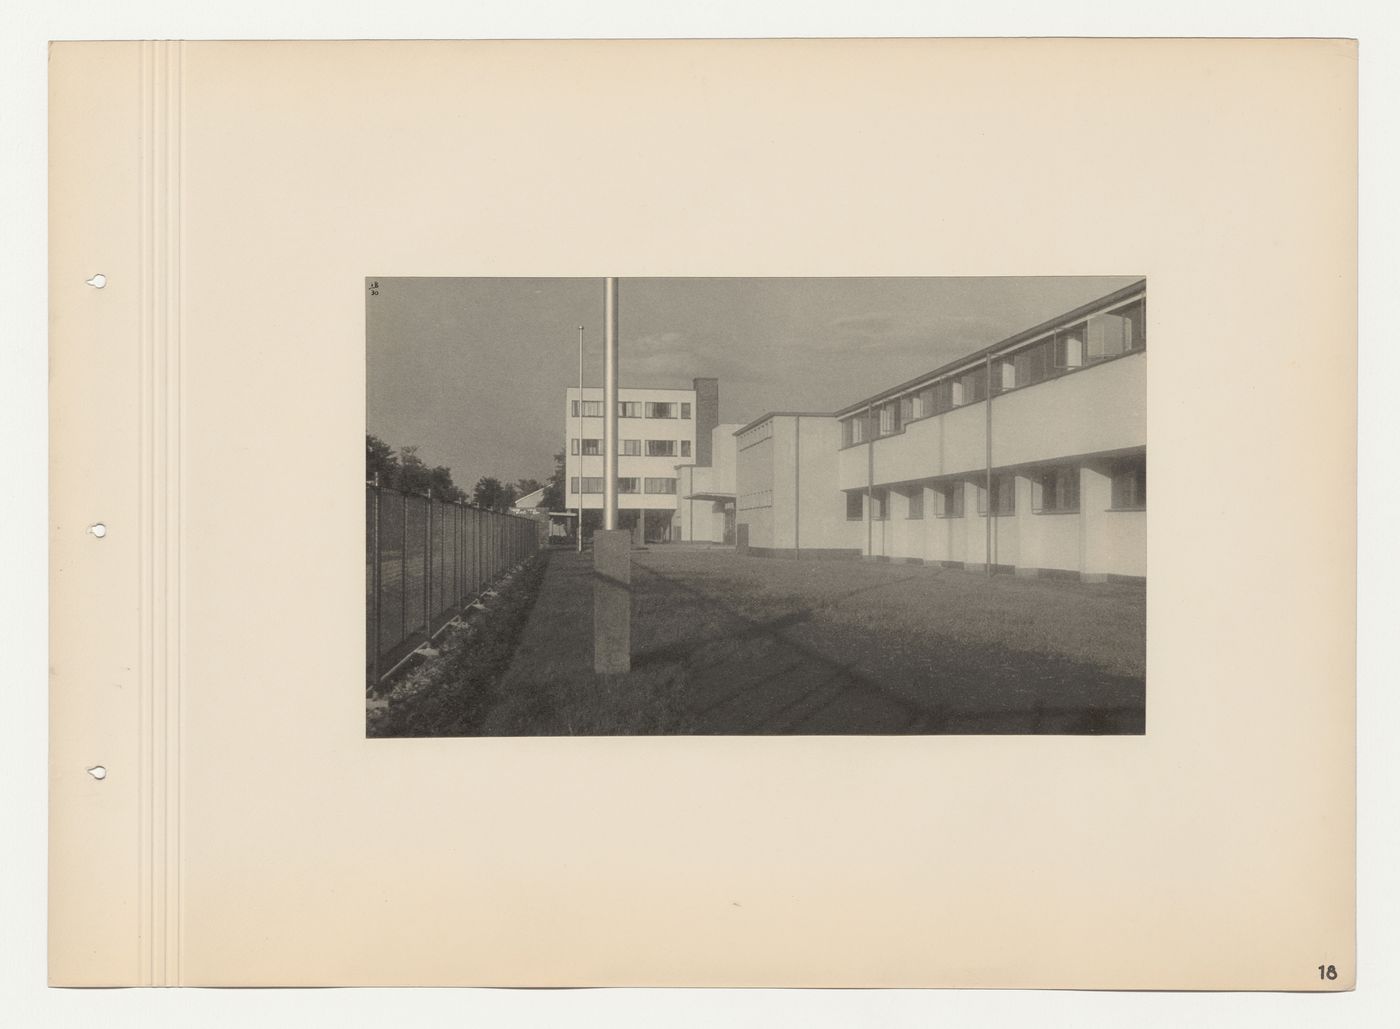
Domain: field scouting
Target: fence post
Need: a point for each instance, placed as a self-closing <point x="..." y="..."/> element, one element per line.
<point x="403" y="572"/>
<point x="377" y="580"/>
<point x="428" y="571"/>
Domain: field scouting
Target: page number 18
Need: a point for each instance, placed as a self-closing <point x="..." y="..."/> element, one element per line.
<point x="1327" y="971"/>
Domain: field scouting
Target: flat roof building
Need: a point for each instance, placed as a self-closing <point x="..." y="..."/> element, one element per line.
<point x="657" y="429"/>
<point x="1053" y="418"/>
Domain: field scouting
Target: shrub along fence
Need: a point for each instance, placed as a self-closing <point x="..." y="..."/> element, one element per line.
<point x="425" y="560"/>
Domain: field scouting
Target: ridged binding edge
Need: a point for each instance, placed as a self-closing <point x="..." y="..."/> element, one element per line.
<point x="161" y="71"/>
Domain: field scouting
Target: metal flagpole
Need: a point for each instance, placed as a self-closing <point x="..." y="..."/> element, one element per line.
<point x="578" y="526"/>
<point x="610" y="406"/>
<point x="988" y="434"/>
<point x="612" y="562"/>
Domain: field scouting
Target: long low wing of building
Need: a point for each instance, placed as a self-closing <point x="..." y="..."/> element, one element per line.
<point x="1053" y="419"/>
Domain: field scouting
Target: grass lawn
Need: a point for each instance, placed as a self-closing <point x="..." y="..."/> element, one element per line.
<point x="724" y="644"/>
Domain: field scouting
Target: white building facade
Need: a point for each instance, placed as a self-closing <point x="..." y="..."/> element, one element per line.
<point x="705" y="509"/>
<point x="658" y="429"/>
<point x="1053" y="417"/>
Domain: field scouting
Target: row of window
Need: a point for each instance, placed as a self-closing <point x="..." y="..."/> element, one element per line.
<point x="594" y="484"/>
<point x="633" y="447"/>
<point x="1098" y="338"/>
<point x="1053" y="491"/>
<point x="631" y="409"/>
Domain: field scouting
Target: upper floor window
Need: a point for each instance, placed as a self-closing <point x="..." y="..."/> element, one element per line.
<point x="659" y="410"/>
<point x="663" y="485"/>
<point x="627" y="485"/>
<point x="1130" y="484"/>
<point x="906" y="409"/>
<point x="1056" y="489"/>
<point x="685" y="410"/>
<point x="590" y="484"/>
<point x="855" y="507"/>
<point x="629" y="447"/>
<point x="586" y="446"/>
<point x="685" y="448"/>
<point x="1035" y="363"/>
<point x="591" y="409"/>
<point x="938" y="397"/>
<point x="629" y="408"/>
<point x="853" y="430"/>
<point x="1003" y="375"/>
<point x="971" y="386"/>
<point x="889" y="419"/>
<point x="1116" y="332"/>
<point x="661" y="448"/>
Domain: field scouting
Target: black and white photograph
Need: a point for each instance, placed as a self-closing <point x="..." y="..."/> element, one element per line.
<point x="756" y="506"/>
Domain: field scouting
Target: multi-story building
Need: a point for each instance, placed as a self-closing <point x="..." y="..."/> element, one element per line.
<point x="657" y="430"/>
<point x="1054" y="418"/>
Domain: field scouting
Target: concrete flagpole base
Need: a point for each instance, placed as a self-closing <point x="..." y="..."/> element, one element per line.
<point x="612" y="601"/>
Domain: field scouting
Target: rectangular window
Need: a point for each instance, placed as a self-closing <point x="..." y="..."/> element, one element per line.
<point x="950" y="500"/>
<point x="685" y="448"/>
<point x="916" y="501"/>
<point x="855" y="507"/>
<point x="880" y="498"/>
<point x="1068" y="350"/>
<point x="1003" y="496"/>
<point x="906" y="409"/>
<point x="1119" y="331"/>
<point x="1003" y="375"/>
<point x="854" y="430"/>
<point x="685" y="410"/>
<point x="591" y="484"/>
<point x="629" y="447"/>
<point x="1034" y="364"/>
<point x="1056" y="490"/>
<point x="661" y="448"/>
<point x="591" y="409"/>
<point x="627" y="485"/>
<point x="973" y="386"/>
<point x="661" y="485"/>
<point x="924" y="403"/>
<point x="656" y="410"/>
<point x="629" y="408"/>
<point x="1130" y="484"/>
<point x="590" y="447"/>
<point x="940" y="397"/>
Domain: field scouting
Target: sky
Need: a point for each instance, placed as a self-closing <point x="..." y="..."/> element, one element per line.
<point x="473" y="371"/>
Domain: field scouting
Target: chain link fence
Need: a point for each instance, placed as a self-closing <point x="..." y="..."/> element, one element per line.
<point x="425" y="560"/>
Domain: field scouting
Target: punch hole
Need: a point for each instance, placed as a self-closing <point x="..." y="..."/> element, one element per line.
<point x="98" y="529"/>
<point x="97" y="281"/>
<point x="97" y="772"/>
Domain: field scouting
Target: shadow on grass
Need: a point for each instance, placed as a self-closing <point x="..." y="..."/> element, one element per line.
<point x="716" y="654"/>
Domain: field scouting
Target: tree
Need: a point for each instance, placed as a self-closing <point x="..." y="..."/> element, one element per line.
<point x="491" y="494"/>
<point x="440" y="479"/>
<point x="380" y="461"/>
<point x="554" y="491"/>
<point x="414" y="476"/>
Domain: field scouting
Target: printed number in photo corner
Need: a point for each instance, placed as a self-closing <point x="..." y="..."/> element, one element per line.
<point x="1327" y="971"/>
<point x="374" y="288"/>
